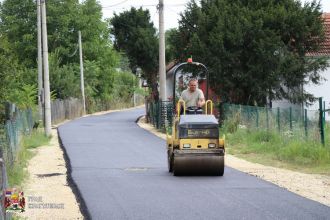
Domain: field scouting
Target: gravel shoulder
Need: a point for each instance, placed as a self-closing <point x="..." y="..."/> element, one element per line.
<point x="312" y="186"/>
<point x="47" y="192"/>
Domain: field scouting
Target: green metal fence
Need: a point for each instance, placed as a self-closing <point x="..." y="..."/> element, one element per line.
<point x="322" y="121"/>
<point x="288" y="122"/>
<point x="160" y="114"/>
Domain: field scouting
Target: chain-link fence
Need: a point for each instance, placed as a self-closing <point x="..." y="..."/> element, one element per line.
<point x="289" y="122"/>
<point x="18" y="123"/>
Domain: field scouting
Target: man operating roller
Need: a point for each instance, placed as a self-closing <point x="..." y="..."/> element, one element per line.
<point x="193" y="96"/>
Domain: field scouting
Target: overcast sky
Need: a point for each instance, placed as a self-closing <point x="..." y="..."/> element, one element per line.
<point x="172" y="9"/>
<point x="171" y="12"/>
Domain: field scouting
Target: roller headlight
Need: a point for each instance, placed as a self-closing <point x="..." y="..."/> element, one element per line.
<point x="186" y="145"/>
<point x="212" y="145"/>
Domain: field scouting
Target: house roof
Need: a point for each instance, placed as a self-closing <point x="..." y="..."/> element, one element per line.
<point x="325" y="46"/>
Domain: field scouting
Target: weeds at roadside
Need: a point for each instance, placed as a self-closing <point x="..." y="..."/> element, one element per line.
<point x="36" y="139"/>
<point x="17" y="172"/>
<point x="270" y="148"/>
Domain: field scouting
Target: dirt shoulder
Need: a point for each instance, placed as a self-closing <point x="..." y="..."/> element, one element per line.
<point x="47" y="192"/>
<point x="311" y="186"/>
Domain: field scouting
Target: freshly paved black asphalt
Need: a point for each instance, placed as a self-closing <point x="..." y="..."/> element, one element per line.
<point x="121" y="172"/>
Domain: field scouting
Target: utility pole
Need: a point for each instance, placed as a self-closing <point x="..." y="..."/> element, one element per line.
<point x="162" y="71"/>
<point x="82" y="84"/>
<point x="48" y="122"/>
<point x="40" y="84"/>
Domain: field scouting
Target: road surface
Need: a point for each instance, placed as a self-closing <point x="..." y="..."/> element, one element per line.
<point x="121" y="172"/>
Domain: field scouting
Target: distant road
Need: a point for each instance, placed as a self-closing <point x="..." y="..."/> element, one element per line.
<point x="121" y="173"/>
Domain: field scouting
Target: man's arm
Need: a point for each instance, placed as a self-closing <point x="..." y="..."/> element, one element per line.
<point x="201" y="99"/>
<point x="201" y="102"/>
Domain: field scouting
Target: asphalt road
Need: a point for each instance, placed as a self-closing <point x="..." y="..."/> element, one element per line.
<point x="121" y="173"/>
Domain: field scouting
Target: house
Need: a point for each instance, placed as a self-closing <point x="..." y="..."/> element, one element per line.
<point x="321" y="90"/>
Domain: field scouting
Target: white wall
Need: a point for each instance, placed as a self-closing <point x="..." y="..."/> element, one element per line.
<point x="322" y="90"/>
<point x="285" y="104"/>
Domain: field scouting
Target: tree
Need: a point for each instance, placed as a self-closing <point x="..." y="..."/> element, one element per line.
<point x="254" y="49"/>
<point x="170" y="43"/>
<point x="63" y="24"/>
<point x="135" y="35"/>
<point x="64" y="19"/>
<point x="18" y="23"/>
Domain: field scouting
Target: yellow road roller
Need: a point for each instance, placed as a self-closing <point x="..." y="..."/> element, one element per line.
<point x="194" y="146"/>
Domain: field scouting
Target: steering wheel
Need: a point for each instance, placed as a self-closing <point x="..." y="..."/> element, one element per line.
<point x="194" y="110"/>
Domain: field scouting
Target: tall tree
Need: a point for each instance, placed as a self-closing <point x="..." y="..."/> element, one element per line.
<point x="64" y="19"/>
<point x="255" y="49"/>
<point x="18" y="23"/>
<point x="98" y="48"/>
<point x="135" y="34"/>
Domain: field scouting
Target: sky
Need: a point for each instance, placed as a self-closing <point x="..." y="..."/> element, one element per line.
<point x="171" y="12"/>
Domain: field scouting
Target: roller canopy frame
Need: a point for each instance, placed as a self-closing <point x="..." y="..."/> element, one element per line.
<point x="191" y="63"/>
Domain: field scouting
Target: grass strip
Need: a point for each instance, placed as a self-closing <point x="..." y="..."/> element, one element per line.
<point x="17" y="172"/>
<point x="272" y="149"/>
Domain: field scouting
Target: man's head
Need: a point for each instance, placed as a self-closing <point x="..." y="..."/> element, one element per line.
<point x="192" y="85"/>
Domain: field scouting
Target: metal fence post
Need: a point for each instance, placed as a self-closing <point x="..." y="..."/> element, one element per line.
<point x="278" y="119"/>
<point x="257" y="117"/>
<point x="324" y="110"/>
<point x="290" y="118"/>
<point x="267" y="119"/>
<point x="306" y="123"/>
<point x="157" y="115"/>
<point x="321" y="122"/>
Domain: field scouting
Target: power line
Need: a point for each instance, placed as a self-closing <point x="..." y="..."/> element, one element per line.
<point x="135" y="6"/>
<point x="110" y="6"/>
<point x="152" y="5"/>
<point x="173" y="11"/>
